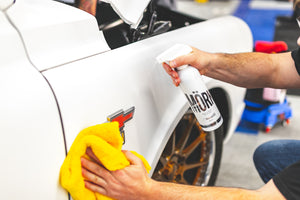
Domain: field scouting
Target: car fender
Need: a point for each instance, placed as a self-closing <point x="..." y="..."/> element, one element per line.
<point x="90" y="89"/>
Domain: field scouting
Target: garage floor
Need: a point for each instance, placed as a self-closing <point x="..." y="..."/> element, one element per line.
<point x="237" y="168"/>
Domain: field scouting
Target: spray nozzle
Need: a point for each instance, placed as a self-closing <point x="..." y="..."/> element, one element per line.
<point x="173" y="52"/>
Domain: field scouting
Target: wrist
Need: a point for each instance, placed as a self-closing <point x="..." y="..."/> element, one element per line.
<point x="152" y="190"/>
<point x="211" y="64"/>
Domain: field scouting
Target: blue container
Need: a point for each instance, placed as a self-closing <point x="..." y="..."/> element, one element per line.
<point x="267" y="115"/>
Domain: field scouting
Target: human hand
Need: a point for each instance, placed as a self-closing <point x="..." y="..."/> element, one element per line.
<point x="197" y="58"/>
<point x="132" y="182"/>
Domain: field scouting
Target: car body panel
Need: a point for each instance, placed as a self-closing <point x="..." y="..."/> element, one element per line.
<point x="4" y="4"/>
<point x="32" y="144"/>
<point x="58" y="76"/>
<point x="91" y="89"/>
<point x="60" y="34"/>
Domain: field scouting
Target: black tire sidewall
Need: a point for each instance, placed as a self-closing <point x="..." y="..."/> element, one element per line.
<point x="218" y="134"/>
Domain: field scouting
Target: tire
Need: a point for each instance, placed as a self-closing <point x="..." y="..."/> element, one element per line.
<point x="191" y="156"/>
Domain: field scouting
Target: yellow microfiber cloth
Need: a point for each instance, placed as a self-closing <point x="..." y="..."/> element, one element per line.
<point x="106" y="142"/>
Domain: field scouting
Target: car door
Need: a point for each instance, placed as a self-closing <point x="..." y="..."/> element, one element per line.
<point x="32" y="143"/>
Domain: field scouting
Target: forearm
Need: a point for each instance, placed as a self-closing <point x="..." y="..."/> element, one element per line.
<point x="170" y="191"/>
<point x="133" y="183"/>
<point x="245" y="69"/>
<point x="253" y="70"/>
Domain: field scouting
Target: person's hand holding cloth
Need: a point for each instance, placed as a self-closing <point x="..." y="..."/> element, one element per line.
<point x="98" y="149"/>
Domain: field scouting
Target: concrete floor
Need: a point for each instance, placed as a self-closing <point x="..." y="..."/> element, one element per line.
<point x="237" y="168"/>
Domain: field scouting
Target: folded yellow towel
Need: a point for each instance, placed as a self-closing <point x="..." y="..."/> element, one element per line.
<point x="106" y="142"/>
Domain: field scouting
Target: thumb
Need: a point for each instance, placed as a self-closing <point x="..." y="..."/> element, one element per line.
<point x="133" y="159"/>
<point x="187" y="59"/>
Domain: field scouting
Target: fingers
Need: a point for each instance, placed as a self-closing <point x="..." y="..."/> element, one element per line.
<point x="93" y="174"/>
<point x="133" y="159"/>
<point x="192" y="59"/>
<point x="172" y="73"/>
<point x="189" y="59"/>
<point x="93" y="167"/>
<point x="92" y="178"/>
<point x="95" y="188"/>
<point x="98" y="179"/>
<point x="91" y="154"/>
<point x="124" y="183"/>
<point x="183" y="60"/>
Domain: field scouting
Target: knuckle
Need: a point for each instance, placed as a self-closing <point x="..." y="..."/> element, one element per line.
<point x="96" y="180"/>
<point x="119" y="173"/>
<point x="84" y="172"/>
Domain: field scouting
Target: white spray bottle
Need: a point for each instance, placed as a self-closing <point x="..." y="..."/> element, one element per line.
<point x="196" y="92"/>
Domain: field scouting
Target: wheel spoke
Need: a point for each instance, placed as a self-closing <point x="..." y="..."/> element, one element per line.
<point x="184" y="138"/>
<point x="183" y="181"/>
<point x="187" y="157"/>
<point x="195" y="165"/>
<point x="188" y="150"/>
<point x="196" y="179"/>
<point x="163" y="161"/>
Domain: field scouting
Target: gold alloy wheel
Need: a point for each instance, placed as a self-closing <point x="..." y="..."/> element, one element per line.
<point x="189" y="155"/>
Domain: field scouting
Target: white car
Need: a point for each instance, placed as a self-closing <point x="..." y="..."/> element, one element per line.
<point x="60" y="73"/>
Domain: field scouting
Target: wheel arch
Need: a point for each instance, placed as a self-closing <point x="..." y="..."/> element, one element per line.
<point x="168" y="123"/>
<point x="221" y="98"/>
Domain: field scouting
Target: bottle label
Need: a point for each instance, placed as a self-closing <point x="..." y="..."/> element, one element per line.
<point x="205" y="110"/>
<point x="200" y="102"/>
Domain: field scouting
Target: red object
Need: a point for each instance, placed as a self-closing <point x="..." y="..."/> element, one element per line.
<point x="271" y="47"/>
<point x="268" y="129"/>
